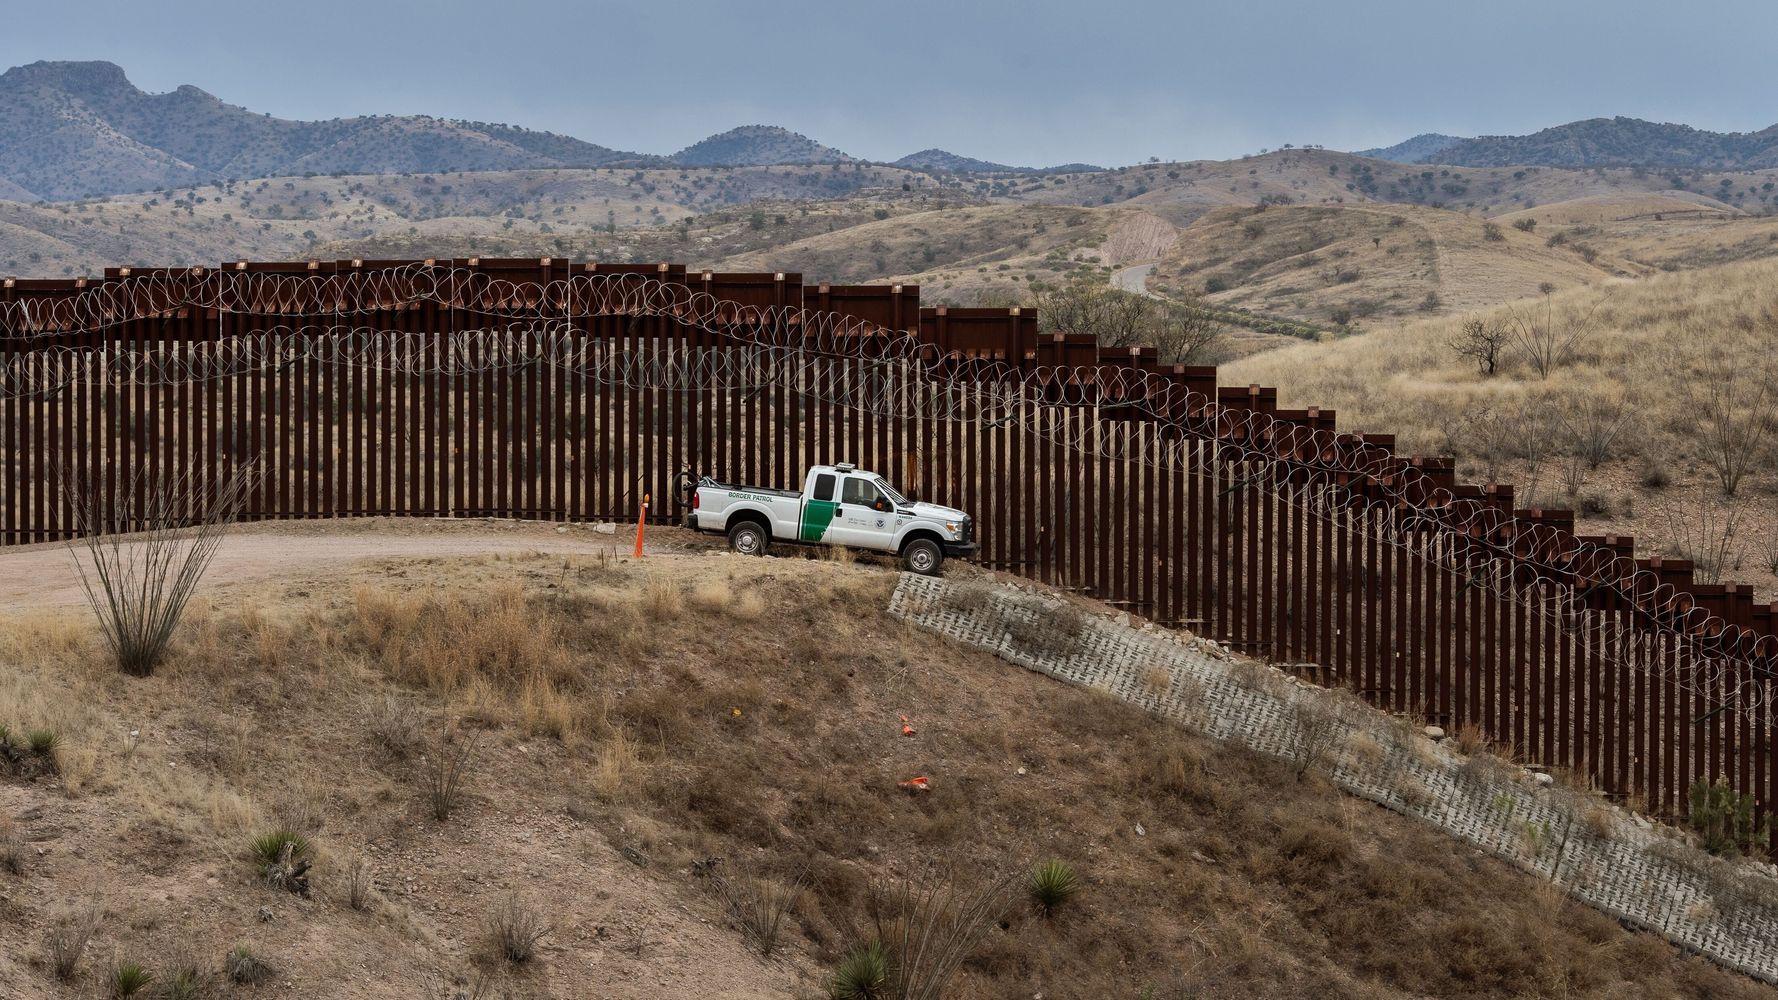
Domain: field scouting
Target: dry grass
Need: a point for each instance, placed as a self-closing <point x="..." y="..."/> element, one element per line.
<point x="758" y="903"/>
<point x="515" y="927"/>
<point x="67" y="938"/>
<point x="12" y="846"/>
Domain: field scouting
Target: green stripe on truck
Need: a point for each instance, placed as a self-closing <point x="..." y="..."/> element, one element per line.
<point x="817" y="515"/>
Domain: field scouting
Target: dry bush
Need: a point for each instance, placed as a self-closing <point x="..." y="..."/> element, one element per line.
<point x="759" y="903"/>
<point x="1549" y="339"/>
<point x="66" y="940"/>
<point x="1732" y="412"/>
<point x="395" y="726"/>
<point x="1470" y="739"/>
<point x="245" y="967"/>
<point x="12" y="846"/>
<point x="139" y="585"/>
<point x="1703" y="531"/>
<point x="616" y="767"/>
<point x="515" y="927"/>
<point x="442" y="776"/>
<point x="1320" y="732"/>
<point x="358" y="883"/>
<point x="972" y="595"/>
<point x="931" y="922"/>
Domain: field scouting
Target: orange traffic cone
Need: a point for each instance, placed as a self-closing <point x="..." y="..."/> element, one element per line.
<point x="906" y="730"/>
<point x="918" y="783"/>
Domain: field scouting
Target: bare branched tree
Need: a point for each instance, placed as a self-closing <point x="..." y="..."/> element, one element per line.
<point x="143" y="544"/>
<point x="1548" y="339"/>
<point x="1482" y="342"/>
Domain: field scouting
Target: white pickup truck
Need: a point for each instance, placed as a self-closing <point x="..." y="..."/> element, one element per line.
<point x="839" y="505"/>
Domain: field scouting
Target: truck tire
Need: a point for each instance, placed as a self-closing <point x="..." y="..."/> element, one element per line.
<point x="749" y="539"/>
<point x="922" y="556"/>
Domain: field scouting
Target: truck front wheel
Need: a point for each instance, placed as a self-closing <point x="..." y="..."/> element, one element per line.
<point x="923" y="556"/>
<point x="749" y="539"/>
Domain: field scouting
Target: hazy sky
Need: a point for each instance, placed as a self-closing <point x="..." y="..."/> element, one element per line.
<point x="1110" y="82"/>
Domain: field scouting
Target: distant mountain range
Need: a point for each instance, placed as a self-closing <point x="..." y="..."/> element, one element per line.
<point x="81" y="129"/>
<point x="1596" y="142"/>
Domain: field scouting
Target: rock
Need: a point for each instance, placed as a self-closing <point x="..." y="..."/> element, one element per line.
<point x="1123" y="618"/>
<point x="561" y="529"/>
<point x="1140" y="832"/>
<point x="605" y="528"/>
<point x="1543" y="779"/>
<point x="1435" y="733"/>
<point x="265" y="914"/>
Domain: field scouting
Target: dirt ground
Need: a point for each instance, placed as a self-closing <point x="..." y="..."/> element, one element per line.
<point x="45" y="575"/>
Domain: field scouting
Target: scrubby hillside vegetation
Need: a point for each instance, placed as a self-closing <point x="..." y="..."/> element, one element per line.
<point x="1646" y="406"/>
<point x="586" y="776"/>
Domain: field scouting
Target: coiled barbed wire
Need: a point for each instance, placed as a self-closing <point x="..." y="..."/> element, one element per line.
<point x="785" y="344"/>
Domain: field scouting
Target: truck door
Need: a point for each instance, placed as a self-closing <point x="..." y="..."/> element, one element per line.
<point x="866" y="518"/>
<point x="817" y="522"/>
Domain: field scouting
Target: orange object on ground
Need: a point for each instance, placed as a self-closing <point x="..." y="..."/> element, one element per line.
<point x="917" y="783"/>
<point x="641" y="523"/>
<point x="906" y="730"/>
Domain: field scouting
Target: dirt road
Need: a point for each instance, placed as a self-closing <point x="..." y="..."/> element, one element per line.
<point x="45" y="576"/>
<point x="1134" y="279"/>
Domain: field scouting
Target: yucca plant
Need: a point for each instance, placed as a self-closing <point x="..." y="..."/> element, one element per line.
<point x="268" y="848"/>
<point x="862" y="975"/>
<point x="43" y="743"/>
<point x="1051" y="885"/>
<point x="283" y="860"/>
<point x="128" y="978"/>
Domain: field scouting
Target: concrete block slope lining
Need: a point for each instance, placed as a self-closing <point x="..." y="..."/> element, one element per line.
<point x="1594" y="852"/>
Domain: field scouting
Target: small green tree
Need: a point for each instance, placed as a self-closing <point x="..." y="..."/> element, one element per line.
<point x="1723" y="820"/>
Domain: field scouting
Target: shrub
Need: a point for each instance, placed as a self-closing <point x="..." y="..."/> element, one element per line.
<point x="1491" y="232"/>
<point x="12" y="846"/>
<point x="67" y="939"/>
<point x="443" y="778"/>
<point x="183" y="979"/>
<point x="394" y="726"/>
<point x="711" y="596"/>
<point x="358" y="882"/>
<point x="1051" y="885"/>
<point x="138" y="588"/>
<point x="930" y="923"/>
<point x="282" y="857"/>
<point x="1525" y="225"/>
<point x="244" y="967"/>
<point x="1723" y="820"/>
<point x="43" y="744"/>
<point x="861" y="975"/>
<point x="758" y="903"/>
<point x="128" y="978"/>
<point x="515" y="928"/>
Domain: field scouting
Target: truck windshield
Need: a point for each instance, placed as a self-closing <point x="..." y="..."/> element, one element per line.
<point x="890" y="492"/>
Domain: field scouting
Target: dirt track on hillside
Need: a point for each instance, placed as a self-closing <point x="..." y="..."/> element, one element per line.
<point x="45" y="576"/>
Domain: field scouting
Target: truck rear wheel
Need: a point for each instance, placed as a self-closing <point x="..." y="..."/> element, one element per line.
<point x="923" y="556"/>
<point x="749" y="539"/>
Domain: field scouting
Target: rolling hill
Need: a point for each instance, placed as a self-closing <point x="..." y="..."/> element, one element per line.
<point x="754" y="146"/>
<point x="79" y="129"/>
<point x="1597" y="142"/>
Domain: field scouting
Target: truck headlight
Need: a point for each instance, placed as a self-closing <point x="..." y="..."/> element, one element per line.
<point x="953" y="527"/>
